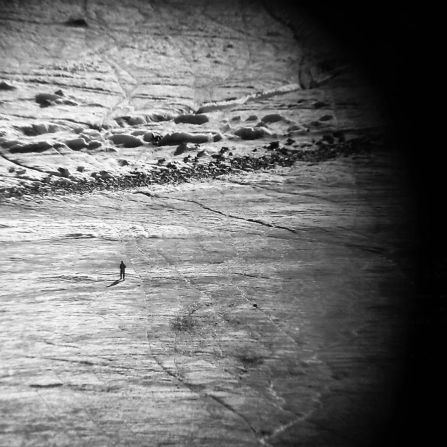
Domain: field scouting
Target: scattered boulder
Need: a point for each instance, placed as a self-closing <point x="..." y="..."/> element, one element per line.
<point x="252" y="118"/>
<point x="217" y="136"/>
<point x="7" y="144"/>
<point x="80" y="168"/>
<point x="51" y="99"/>
<point x="123" y="162"/>
<point x="176" y="138"/>
<point x="6" y="86"/>
<point x="326" y="118"/>
<point x="76" y="23"/>
<point x="252" y="133"/>
<point x="64" y="172"/>
<point x="126" y="140"/>
<point x="148" y="137"/>
<point x="94" y="144"/>
<point x="272" y="118"/>
<point x="76" y="144"/>
<point x="105" y="174"/>
<point x="38" y="129"/>
<point x="46" y="99"/>
<point x="38" y="146"/>
<point x="136" y="121"/>
<point x="192" y="119"/>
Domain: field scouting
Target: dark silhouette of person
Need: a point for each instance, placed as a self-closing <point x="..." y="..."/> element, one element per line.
<point x="122" y="271"/>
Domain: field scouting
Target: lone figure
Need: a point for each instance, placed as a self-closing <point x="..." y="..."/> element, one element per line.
<point x="122" y="271"/>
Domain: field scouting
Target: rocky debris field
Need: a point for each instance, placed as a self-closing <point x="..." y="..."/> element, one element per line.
<point x="89" y="97"/>
<point x="199" y="164"/>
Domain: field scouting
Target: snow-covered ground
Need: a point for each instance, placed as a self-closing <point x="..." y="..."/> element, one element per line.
<point x="259" y="309"/>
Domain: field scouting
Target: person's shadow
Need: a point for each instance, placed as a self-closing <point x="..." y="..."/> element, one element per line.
<point x="114" y="283"/>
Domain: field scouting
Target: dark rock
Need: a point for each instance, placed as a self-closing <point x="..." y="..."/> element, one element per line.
<point x="272" y="118"/>
<point x="105" y="174"/>
<point x="273" y="145"/>
<point x="50" y="99"/>
<point x="148" y="137"/>
<point x="183" y="137"/>
<point x="251" y="133"/>
<point x="76" y="144"/>
<point x="46" y="99"/>
<point x="64" y="172"/>
<point x="7" y="86"/>
<point x="38" y="146"/>
<point x="192" y="119"/>
<point x="126" y="140"/>
<point x="326" y="118"/>
<point x="94" y="144"/>
<point x="76" y="23"/>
